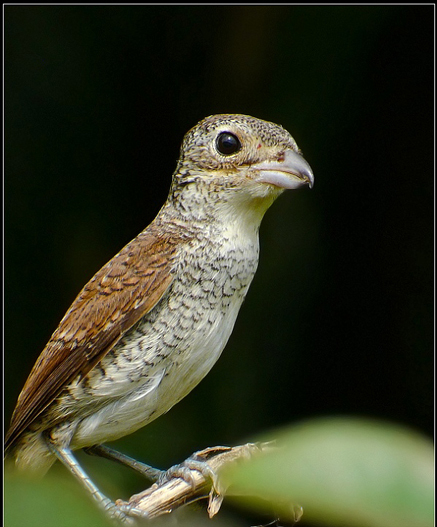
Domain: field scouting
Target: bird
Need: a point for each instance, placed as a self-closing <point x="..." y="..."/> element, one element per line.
<point x="151" y="323"/>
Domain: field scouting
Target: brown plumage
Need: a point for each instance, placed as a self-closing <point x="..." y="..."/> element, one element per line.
<point x="116" y="297"/>
<point x="153" y="321"/>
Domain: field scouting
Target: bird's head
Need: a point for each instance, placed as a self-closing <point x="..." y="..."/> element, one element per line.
<point x="232" y="158"/>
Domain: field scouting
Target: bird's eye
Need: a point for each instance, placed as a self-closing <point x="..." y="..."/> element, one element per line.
<point x="228" y="144"/>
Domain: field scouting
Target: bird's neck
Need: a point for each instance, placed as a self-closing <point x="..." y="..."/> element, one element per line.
<point x="200" y="205"/>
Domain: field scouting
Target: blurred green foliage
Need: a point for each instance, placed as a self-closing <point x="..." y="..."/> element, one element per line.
<point x="339" y="319"/>
<point x="340" y="471"/>
<point x="344" y="471"/>
<point x="54" y="501"/>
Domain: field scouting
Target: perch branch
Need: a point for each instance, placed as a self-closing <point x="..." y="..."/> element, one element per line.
<point x="163" y="498"/>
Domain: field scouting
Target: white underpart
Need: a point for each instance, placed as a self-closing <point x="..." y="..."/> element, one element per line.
<point x="161" y="386"/>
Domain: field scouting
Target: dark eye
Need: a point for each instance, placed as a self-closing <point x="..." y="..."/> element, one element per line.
<point x="228" y="144"/>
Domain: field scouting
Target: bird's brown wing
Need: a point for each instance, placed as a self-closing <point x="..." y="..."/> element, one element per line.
<point x="122" y="292"/>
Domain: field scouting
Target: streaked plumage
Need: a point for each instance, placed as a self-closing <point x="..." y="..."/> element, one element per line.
<point x="153" y="321"/>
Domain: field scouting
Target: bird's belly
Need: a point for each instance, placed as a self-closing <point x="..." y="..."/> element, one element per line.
<point x="161" y="387"/>
<point x="161" y="359"/>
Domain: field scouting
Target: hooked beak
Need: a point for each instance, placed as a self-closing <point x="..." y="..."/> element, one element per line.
<point x="290" y="172"/>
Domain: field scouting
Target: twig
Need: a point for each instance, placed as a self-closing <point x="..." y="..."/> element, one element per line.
<point x="163" y="498"/>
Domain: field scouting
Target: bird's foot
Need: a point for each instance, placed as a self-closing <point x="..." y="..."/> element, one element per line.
<point x="196" y="462"/>
<point x="122" y="512"/>
<point x="185" y="471"/>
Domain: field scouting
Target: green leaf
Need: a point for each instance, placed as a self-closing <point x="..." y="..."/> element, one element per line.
<point x="56" y="500"/>
<point x="345" y="471"/>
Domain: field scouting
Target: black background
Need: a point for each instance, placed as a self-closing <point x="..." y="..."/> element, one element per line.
<point x="339" y="318"/>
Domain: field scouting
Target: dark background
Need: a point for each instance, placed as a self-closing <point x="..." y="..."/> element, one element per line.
<point x="339" y="318"/>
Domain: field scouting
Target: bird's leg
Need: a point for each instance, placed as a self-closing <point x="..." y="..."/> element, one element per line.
<point x="116" y="512"/>
<point x="151" y="473"/>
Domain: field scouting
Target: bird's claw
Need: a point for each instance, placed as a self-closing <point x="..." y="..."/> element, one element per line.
<point x="123" y="512"/>
<point x="185" y="470"/>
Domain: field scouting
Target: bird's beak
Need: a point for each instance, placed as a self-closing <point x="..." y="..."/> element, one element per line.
<point x="289" y="172"/>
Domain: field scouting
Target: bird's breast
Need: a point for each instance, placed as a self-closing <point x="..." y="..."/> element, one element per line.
<point x="167" y="353"/>
<point x="194" y="320"/>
